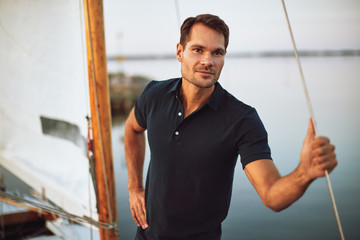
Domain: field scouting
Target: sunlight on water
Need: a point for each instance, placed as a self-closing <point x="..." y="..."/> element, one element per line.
<point x="273" y="87"/>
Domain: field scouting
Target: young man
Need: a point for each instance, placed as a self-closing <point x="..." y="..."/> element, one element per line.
<point x="196" y="130"/>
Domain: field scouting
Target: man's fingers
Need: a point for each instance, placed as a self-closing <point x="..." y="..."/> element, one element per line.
<point x="311" y="131"/>
<point x="144" y="223"/>
<point x="137" y="207"/>
<point x="323" y="150"/>
<point x="320" y="141"/>
<point x="133" y="214"/>
<point x="139" y="216"/>
<point x="325" y="158"/>
<point x="317" y="153"/>
<point x="323" y="164"/>
<point x="141" y="213"/>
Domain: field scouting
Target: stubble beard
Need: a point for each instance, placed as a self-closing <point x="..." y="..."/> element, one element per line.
<point x="201" y="81"/>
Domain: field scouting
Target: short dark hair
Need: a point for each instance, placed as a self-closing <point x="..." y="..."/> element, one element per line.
<point x="209" y="20"/>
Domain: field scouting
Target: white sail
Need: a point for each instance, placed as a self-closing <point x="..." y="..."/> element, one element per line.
<point x="44" y="100"/>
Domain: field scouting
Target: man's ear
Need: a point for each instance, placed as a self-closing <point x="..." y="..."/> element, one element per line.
<point x="179" y="52"/>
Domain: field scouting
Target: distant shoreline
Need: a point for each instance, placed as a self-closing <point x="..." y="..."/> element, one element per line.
<point x="302" y="53"/>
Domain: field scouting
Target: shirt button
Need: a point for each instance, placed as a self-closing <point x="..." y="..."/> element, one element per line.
<point x="179" y="113"/>
<point x="177" y="133"/>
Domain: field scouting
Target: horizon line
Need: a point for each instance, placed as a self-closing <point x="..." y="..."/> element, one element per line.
<point x="274" y="53"/>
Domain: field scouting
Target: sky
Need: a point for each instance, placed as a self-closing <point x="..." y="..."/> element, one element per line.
<point x="134" y="27"/>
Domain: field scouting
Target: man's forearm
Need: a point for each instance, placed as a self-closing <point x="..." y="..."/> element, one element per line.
<point x="277" y="192"/>
<point x="134" y="154"/>
<point x="286" y="190"/>
<point x="134" y="141"/>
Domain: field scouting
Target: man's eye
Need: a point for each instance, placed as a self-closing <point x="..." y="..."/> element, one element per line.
<point x="218" y="53"/>
<point x="197" y="50"/>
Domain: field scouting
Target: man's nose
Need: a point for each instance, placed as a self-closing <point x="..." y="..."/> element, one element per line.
<point x="207" y="59"/>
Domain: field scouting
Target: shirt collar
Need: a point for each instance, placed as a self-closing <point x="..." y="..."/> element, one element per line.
<point x="176" y="87"/>
<point x="213" y="102"/>
<point x="215" y="99"/>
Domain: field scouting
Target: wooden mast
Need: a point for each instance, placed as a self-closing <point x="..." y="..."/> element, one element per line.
<point x="100" y="116"/>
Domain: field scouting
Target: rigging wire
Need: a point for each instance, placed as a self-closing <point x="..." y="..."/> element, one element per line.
<point x="87" y="101"/>
<point x="57" y="211"/>
<point x="2" y="219"/>
<point x="90" y="177"/>
<point x="311" y="112"/>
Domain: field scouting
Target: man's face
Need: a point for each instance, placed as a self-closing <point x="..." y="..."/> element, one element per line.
<point x="203" y="57"/>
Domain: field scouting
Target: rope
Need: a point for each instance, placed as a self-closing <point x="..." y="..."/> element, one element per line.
<point x="177" y="9"/>
<point x="311" y="112"/>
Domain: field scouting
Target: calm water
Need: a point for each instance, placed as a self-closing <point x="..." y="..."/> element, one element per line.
<point x="273" y="87"/>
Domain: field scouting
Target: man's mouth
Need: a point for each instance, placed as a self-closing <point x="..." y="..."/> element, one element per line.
<point x="205" y="71"/>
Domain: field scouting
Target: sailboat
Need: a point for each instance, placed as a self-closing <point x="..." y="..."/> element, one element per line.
<point x="54" y="105"/>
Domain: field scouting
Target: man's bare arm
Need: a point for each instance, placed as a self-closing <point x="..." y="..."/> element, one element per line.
<point x="134" y="141"/>
<point x="276" y="192"/>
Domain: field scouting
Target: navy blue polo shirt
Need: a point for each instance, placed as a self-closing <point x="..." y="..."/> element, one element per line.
<point x="189" y="182"/>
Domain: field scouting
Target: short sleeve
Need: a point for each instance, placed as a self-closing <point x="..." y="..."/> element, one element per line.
<point x="141" y="106"/>
<point x="253" y="144"/>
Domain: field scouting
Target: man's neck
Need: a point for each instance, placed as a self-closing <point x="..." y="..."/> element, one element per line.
<point x="193" y="97"/>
